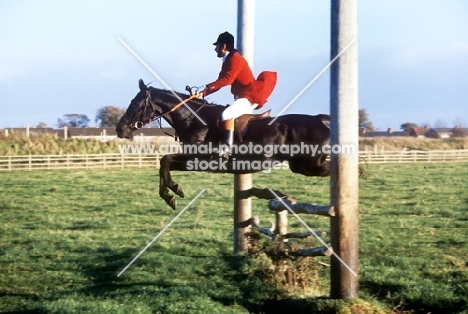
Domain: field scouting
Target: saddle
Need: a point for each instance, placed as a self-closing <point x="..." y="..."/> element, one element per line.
<point x="241" y="124"/>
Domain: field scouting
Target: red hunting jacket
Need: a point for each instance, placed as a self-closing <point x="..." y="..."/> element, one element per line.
<point x="236" y="72"/>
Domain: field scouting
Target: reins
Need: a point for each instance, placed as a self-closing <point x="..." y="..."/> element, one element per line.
<point x="176" y="106"/>
<point x="175" y="137"/>
<point x="158" y="117"/>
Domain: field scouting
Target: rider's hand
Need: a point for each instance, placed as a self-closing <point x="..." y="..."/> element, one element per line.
<point x="198" y="91"/>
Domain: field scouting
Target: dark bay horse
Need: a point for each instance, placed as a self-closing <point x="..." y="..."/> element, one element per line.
<point x="295" y="138"/>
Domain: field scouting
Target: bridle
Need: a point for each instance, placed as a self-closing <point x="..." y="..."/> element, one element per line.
<point x="149" y="101"/>
<point x="157" y="117"/>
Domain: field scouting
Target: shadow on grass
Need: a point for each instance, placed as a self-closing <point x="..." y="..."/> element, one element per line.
<point x="23" y="296"/>
<point x="100" y="268"/>
<point x="423" y="303"/>
<point x="259" y="297"/>
<point x="104" y="273"/>
<point x="36" y="311"/>
<point x="226" y="281"/>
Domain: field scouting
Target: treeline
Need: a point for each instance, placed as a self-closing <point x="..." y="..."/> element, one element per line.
<point x="107" y="116"/>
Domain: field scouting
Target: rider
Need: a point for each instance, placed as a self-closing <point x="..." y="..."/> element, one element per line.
<point x="249" y="94"/>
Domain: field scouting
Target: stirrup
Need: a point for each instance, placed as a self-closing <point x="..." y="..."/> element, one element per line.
<point x="224" y="151"/>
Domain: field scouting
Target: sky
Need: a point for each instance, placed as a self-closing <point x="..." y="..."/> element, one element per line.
<point x="64" y="57"/>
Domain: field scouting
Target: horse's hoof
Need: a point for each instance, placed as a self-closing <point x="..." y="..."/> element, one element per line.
<point x="173" y="203"/>
<point x="179" y="191"/>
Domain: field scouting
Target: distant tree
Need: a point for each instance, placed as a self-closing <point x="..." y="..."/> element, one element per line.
<point x="73" y="120"/>
<point x="41" y="125"/>
<point x="459" y="132"/>
<point x="364" y="121"/>
<point x="440" y="123"/>
<point x="426" y="125"/>
<point x="460" y="129"/>
<point x="109" y="115"/>
<point x="408" y="126"/>
<point x="458" y="122"/>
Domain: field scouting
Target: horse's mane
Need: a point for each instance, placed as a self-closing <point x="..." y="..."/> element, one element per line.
<point x="168" y="97"/>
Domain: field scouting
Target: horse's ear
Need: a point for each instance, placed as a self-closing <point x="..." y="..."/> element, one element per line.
<point x="142" y="86"/>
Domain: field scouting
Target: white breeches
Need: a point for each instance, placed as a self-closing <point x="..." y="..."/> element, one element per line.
<point x="239" y="107"/>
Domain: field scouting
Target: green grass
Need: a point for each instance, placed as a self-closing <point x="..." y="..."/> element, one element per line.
<point x="67" y="234"/>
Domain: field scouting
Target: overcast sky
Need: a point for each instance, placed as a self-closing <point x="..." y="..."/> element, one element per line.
<point x="62" y="57"/>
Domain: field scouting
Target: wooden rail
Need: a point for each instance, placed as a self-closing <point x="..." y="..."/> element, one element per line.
<point x="140" y="160"/>
<point x="458" y="155"/>
<point x="85" y="161"/>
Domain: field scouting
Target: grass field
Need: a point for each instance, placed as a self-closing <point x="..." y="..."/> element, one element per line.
<point x="67" y="234"/>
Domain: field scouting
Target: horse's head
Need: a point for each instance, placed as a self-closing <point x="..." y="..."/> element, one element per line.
<point x="140" y="112"/>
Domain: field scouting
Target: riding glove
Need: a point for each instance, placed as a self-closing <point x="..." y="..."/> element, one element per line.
<point x="199" y="91"/>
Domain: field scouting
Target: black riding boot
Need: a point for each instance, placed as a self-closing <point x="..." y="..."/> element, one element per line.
<point x="227" y="138"/>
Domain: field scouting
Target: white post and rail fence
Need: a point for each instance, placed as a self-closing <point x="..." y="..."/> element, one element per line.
<point x="143" y="160"/>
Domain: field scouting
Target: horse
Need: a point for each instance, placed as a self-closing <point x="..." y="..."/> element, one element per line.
<point x="265" y="142"/>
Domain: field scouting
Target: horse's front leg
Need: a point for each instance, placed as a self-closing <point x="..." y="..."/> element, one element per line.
<point x="168" y="163"/>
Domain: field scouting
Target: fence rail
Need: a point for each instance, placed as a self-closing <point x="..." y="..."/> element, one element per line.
<point x="105" y="161"/>
<point x="458" y="155"/>
<point x="85" y="161"/>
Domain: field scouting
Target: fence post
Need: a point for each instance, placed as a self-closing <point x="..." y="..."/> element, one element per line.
<point x="281" y="222"/>
<point x="243" y="182"/>
<point x="344" y="166"/>
<point x="242" y="211"/>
